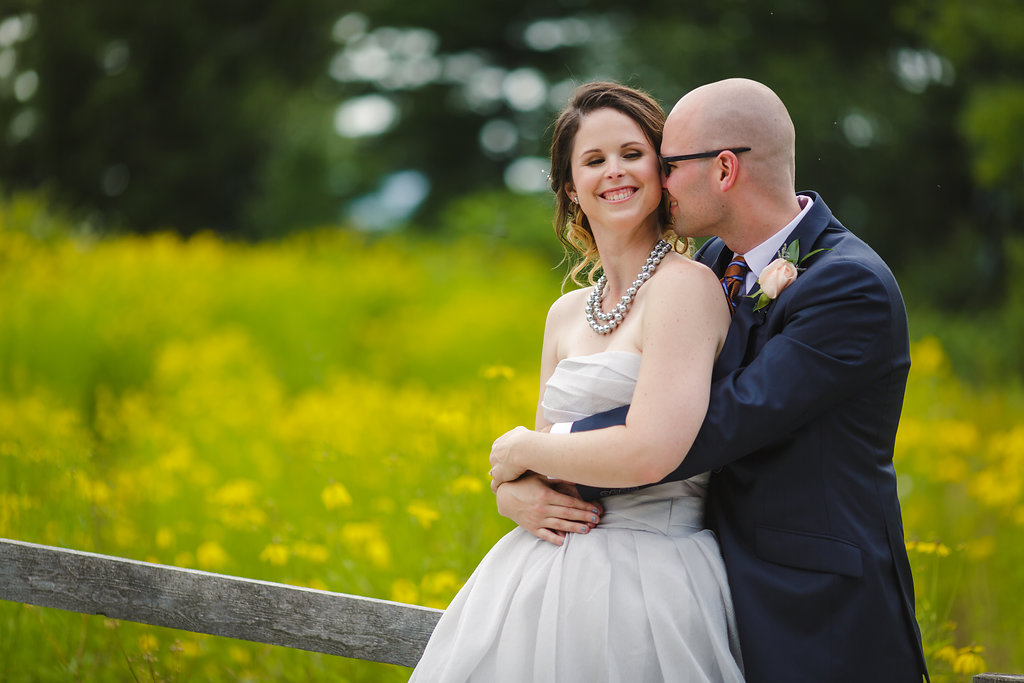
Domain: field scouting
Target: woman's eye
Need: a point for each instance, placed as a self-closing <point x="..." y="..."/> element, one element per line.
<point x="633" y="155"/>
<point x="595" y="161"/>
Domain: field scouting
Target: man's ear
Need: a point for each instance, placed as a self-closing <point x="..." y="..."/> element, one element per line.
<point x="727" y="168"/>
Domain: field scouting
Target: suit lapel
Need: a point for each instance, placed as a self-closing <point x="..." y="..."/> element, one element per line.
<point x="737" y="347"/>
<point x="810" y="228"/>
<point x="715" y="255"/>
<point x="739" y="343"/>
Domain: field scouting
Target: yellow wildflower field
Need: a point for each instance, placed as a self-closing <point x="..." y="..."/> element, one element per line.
<point x="319" y="411"/>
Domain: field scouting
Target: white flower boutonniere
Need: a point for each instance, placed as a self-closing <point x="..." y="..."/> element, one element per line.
<point x="780" y="274"/>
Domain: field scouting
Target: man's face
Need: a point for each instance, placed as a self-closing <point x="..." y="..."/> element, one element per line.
<point x="687" y="182"/>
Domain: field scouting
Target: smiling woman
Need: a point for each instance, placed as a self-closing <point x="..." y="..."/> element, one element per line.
<point x="561" y="594"/>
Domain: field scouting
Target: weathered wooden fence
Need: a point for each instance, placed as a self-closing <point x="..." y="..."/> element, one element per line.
<point x="260" y="611"/>
<point x="219" y="605"/>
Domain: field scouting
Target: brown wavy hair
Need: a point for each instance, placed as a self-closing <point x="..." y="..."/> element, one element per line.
<point x="570" y="223"/>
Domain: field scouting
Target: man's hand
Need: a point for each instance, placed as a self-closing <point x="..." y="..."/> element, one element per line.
<point x="501" y="469"/>
<point x="548" y="510"/>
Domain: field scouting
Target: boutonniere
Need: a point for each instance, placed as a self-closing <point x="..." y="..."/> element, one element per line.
<point x="780" y="274"/>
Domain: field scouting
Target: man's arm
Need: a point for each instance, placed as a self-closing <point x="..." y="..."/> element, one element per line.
<point x="839" y="335"/>
<point x="683" y="324"/>
<point x="845" y="330"/>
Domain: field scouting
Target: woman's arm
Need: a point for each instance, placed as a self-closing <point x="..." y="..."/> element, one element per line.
<point x="554" y="330"/>
<point x="685" y="319"/>
<point x="546" y="509"/>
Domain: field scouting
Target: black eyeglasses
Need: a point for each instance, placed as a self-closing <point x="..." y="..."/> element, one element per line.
<point x="665" y="161"/>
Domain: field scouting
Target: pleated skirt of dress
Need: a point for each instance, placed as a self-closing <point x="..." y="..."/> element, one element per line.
<point x="643" y="597"/>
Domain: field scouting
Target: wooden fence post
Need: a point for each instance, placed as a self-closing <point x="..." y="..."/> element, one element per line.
<point x="202" y="602"/>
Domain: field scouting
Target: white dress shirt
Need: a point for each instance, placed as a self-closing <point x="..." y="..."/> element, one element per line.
<point x="766" y="252"/>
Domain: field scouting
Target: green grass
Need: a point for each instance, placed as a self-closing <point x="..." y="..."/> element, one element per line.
<point x="319" y="411"/>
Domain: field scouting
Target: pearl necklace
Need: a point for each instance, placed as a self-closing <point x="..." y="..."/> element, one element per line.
<point x="595" y="316"/>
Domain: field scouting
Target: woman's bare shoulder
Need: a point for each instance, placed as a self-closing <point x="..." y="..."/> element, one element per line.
<point x="684" y="276"/>
<point x="568" y="304"/>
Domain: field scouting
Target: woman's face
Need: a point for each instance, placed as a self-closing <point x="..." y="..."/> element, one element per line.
<point x="615" y="172"/>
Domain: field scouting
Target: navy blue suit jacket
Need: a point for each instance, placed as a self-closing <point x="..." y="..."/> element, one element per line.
<point x="805" y="400"/>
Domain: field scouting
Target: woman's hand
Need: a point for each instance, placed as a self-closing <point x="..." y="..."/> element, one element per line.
<point x="502" y="468"/>
<point x="548" y="510"/>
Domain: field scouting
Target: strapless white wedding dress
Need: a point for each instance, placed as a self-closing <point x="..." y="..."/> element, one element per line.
<point x="642" y="597"/>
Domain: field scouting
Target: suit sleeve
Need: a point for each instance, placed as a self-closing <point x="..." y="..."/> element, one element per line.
<point x="843" y="327"/>
<point x="610" y="418"/>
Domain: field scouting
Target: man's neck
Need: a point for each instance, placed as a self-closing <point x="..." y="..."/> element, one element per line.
<point x="763" y="225"/>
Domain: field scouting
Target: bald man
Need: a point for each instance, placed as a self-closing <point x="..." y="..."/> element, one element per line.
<point x="805" y="402"/>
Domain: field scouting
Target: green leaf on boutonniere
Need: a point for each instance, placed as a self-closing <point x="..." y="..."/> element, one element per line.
<point x="791" y="252"/>
<point x="807" y="256"/>
<point x="762" y="299"/>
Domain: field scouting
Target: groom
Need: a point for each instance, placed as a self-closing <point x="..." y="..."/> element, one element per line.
<point x="805" y="402"/>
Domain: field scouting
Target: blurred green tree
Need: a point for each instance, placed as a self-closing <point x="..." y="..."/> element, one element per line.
<point x="153" y="116"/>
<point x="257" y="118"/>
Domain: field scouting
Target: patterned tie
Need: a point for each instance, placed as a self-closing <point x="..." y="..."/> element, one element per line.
<point x="732" y="281"/>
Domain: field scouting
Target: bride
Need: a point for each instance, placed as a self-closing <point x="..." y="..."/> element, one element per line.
<point x="642" y="596"/>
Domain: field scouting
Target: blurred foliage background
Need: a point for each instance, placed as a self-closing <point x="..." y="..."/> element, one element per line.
<point x="240" y="240"/>
<point x="256" y="118"/>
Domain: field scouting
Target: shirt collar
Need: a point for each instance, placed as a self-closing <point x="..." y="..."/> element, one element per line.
<point x="766" y="252"/>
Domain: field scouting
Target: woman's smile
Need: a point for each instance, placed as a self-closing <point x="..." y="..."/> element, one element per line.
<point x="618" y="194"/>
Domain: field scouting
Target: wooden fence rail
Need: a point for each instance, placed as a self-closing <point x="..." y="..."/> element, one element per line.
<point x="219" y="605"/>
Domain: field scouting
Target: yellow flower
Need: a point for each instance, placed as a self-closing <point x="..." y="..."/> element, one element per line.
<point x="992" y="487"/>
<point x="929" y="548"/>
<point x="928" y="357"/>
<point x="164" y="537"/>
<point x="424" y="513"/>
<point x="180" y="458"/>
<point x="317" y="584"/>
<point x="314" y="552"/>
<point x="95" y="492"/>
<point x="442" y="582"/>
<point x="379" y="553"/>
<point x="148" y="642"/>
<point x="452" y="421"/>
<point x="243" y="517"/>
<point x="498" y="371"/>
<point x="276" y="554"/>
<point x="239" y="492"/>
<point x="439" y="588"/>
<point x="188" y="648"/>
<point x="404" y="590"/>
<point x="358" y="533"/>
<point x="366" y="537"/>
<point x="951" y="468"/>
<point x="124" y="534"/>
<point x="210" y="555"/>
<point x="957" y="434"/>
<point x="467" y="484"/>
<point x="969" y="660"/>
<point x="335" y="496"/>
<point x="911" y="433"/>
